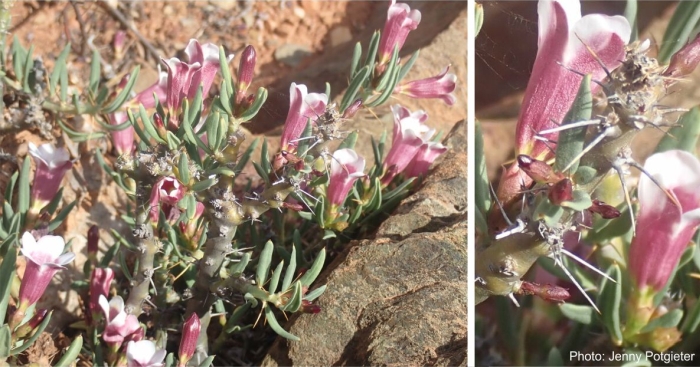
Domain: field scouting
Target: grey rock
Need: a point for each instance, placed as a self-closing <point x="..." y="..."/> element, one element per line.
<point x="400" y="298"/>
<point x="291" y="54"/>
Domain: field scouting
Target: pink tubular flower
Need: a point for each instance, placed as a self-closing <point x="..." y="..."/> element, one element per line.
<point x="188" y="342"/>
<point x="246" y="70"/>
<point x="409" y="135"/>
<point x="185" y="78"/>
<point x="45" y="259"/>
<point x="346" y="168"/>
<point x="119" y="324"/>
<point x="100" y="282"/>
<point x="440" y="86"/>
<point x="167" y="190"/>
<point x="663" y="229"/>
<point x="123" y="140"/>
<point x="51" y="165"/>
<point x="552" y="88"/>
<point x="144" y="354"/>
<point x="426" y="155"/>
<point x="302" y="107"/>
<point x="399" y="21"/>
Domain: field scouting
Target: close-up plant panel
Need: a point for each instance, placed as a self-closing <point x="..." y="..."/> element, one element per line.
<point x="586" y="246"/>
<point x="190" y="183"/>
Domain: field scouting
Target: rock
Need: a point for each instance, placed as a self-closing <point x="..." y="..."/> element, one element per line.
<point x="291" y="54"/>
<point x="285" y="29"/>
<point x="224" y="4"/>
<point x="399" y="298"/>
<point x="339" y="35"/>
<point x="299" y="12"/>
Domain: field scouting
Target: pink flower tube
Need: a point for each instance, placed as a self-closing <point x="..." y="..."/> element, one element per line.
<point x="663" y="229"/>
<point x="410" y="133"/>
<point x="119" y="324"/>
<point x="51" y="165"/>
<point x="346" y="168"/>
<point x="552" y="88"/>
<point x="400" y="21"/>
<point x="302" y="107"/>
<point x="45" y="259"/>
<point x="440" y="86"/>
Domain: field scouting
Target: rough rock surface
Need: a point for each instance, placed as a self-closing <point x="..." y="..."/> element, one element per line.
<point x="400" y="298"/>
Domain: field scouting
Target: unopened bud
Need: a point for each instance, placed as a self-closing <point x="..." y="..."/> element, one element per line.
<point x="561" y="191"/>
<point x="546" y="292"/>
<point x="538" y="170"/>
<point x="352" y="109"/>
<point x="188" y="343"/>
<point x="93" y="241"/>
<point x="30" y="325"/>
<point x="606" y="211"/>
<point x="685" y="60"/>
<point x="308" y="307"/>
<point x="246" y="70"/>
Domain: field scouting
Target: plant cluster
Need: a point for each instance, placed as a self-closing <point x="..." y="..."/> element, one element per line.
<point x="214" y="251"/>
<point x="593" y="88"/>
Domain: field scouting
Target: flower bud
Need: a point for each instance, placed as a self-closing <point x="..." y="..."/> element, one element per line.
<point x="308" y="307"/>
<point x="30" y="325"/>
<point x="100" y="283"/>
<point x="606" y="211"/>
<point x="188" y="342"/>
<point x="246" y="70"/>
<point x="561" y="191"/>
<point x="352" y="109"/>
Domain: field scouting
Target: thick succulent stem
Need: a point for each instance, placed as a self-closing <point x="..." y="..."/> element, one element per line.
<point x="501" y="265"/>
<point x="148" y="247"/>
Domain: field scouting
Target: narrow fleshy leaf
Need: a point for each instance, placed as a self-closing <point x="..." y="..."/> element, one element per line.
<point x="315" y="269"/>
<point x="682" y="24"/>
<point x="23" y="193"/>
<point x="264" y="264"/>
<point x="274" y="280"/>
<point x="571" y="141"/>
<point x="580" y="313"/>
<point x="7" y="275"/>
<point x="610" y="302"/>
<point x="289" y="274"/>
<point x="70" y="356"/>
<point x="684" y="135"/>
<point x="270" y="317"/>
<point x="667" y="320"/>
<point x="124" y="94"/>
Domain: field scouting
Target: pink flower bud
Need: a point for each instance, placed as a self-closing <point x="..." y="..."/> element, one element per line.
<point x="167" y="190"/>
<point x="188" y="341"/>
<point x="308" y="307"/>
<point x="51" y="165"/>
<point x="30" y="325"/>
<point x="685" y="60"/>
<point x="100" y="283"/>
<point x="144" y="354"/>
<point x="538" y="170"/>
<point x="606" y="211"/>
<point x="123" y="140"/>
<point x="346" y="168"/>
<point x="119" y="324"/>
<point x="399" y="21"/>
<point x="409" y="135"/>
<point x="352" y="109"/>
<point x="663" y="229"/>
<point x="561" y="191"/>
<point x="547" y="292"/>
<point x="426" y="155"/>
<point x="93" y="241"/>
<point x="45" y="259"/>
<point x="440" y="86"/>
<point x="302" y="107"/>
<point x="246" y="70"/>
<point x="118" y="43"/>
